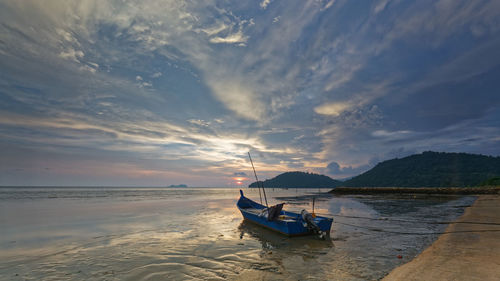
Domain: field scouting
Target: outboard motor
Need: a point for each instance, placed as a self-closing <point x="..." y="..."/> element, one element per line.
<point x="311" y="225"/>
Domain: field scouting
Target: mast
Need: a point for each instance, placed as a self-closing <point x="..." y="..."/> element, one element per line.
<point x="258" y="186"/>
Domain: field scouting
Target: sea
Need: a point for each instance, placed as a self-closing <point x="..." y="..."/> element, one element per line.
<point x="125" y="233"/>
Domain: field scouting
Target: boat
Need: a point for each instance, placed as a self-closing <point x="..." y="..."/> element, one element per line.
<point x="286" y="223"/>
<point x="276" y="219"/>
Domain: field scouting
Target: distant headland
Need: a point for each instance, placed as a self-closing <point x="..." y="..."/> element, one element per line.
<point x="431" y="169"/>
<point x="428" y="169"/>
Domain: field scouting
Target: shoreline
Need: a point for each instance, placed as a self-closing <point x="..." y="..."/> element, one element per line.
<point x="466" y="251"/>
<point x="418" y="190"/>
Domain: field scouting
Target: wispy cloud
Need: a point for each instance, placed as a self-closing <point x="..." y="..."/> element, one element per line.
<point x="237" y="37"/>
<point x="335" y="108"/>
<point x="265" y="3"/>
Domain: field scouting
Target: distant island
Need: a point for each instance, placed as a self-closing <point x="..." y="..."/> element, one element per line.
<point x="178" y="185"/>
<point x="299" y="180"/>
<point x="428" y="169"/>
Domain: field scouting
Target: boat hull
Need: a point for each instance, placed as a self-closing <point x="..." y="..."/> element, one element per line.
<point x="290" y="223"/>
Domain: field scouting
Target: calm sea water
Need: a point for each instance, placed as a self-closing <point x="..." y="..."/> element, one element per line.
<point x="198" y="234"/>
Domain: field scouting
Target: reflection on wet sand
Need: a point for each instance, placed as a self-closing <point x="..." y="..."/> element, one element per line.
<point x="271" y="240"/>
<point x="198" y="234"/>
<point x="297" y="258"/>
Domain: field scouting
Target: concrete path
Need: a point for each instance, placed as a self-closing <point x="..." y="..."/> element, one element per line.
<point x="468" y="252"/>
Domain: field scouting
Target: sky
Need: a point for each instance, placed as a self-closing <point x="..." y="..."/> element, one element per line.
<point x="154" y="93"/>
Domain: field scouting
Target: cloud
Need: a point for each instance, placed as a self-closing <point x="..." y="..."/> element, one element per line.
<point x="335" y="169"/>
<point x="71" y="54"/>
<point x="67" y="36"/>
<point x="240" y="99"/>
<point x="89" y="68"/>
<point x="344" y="75"/>
<point x="380" y="6"/>
<point x="334" y="108"/>
<point x="265" y="3"/>
<point x="237" y="37"/>
<point x="240" y="174"/>
<point x="215" y="29"/>
<point x="199" y="122"/>
<point x="141" y="83"/>
<point x="145" y="137"/>
<point x="395" y="134"/>
<point x="328" y="5"/>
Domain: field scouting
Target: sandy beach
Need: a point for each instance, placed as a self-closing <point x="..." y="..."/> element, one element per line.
<point x="468" y="251"/>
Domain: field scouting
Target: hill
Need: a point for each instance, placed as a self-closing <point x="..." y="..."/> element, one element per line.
<point x="430" y="169"/>
<point x="300" y="180"/>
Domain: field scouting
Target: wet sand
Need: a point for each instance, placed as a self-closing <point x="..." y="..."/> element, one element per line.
<point x="145" y="234"/>
<point x="468" y="252"/>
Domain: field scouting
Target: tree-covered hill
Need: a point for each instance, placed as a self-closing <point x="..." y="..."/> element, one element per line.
<point x="300" y="180"/>
<point x="430" y="169"/>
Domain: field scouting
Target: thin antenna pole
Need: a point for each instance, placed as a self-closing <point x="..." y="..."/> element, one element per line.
<point x="255" y="173"/>
<point x="256" y="178"/>
<point x="264" y="191"/>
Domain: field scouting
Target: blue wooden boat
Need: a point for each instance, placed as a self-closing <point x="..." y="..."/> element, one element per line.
<point x="287" y="223"/>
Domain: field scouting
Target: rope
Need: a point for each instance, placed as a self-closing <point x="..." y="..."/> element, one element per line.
<point x="416" y="221"/>
<point x="417" y="233"/>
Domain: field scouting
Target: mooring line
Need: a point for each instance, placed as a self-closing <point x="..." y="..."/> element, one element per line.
<point x="416" y="233"/>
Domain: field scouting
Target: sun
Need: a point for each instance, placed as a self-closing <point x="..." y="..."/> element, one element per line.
<point x="239" y="180"/>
